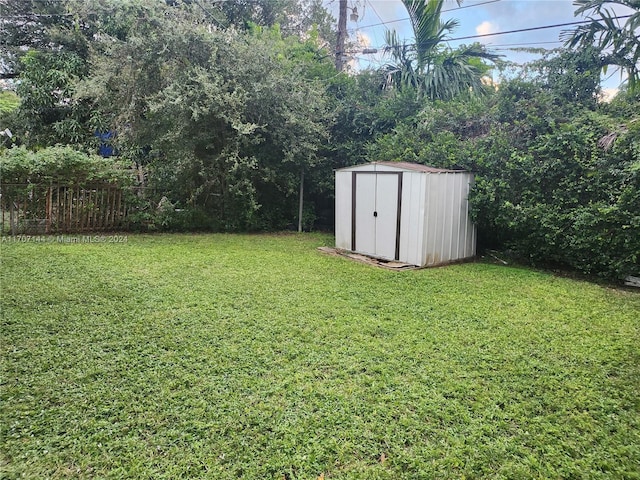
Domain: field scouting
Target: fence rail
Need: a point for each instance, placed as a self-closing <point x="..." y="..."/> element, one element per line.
<point x="45" y="209"/>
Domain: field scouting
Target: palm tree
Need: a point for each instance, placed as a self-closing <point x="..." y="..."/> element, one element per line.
<point x="428" y="66"/>
<point x="619" y="43"/>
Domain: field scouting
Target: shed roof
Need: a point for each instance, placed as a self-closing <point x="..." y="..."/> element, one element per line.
<point x="415" y="167"/>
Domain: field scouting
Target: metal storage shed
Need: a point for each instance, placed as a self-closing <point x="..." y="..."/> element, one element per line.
<point x="406" y="212"/>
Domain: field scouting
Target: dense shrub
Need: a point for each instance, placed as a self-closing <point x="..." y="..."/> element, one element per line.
<point x="556" y="183"/>
<point x="569" y="196"/>
<point x="60" y="164"/>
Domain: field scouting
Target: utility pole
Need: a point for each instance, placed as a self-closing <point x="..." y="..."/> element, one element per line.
<point x="301" y="199"/>
<point x="342" y="35"/>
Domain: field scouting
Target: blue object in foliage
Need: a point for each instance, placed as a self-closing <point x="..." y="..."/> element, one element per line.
<point x="105" y="149"/>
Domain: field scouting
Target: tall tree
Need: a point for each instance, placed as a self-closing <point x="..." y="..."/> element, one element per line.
<point x="294" y="17"/>
<point x="429" y="66"/>
<point x="43" y="25"/>
<point x="429" y="31"/>
<point x="572" y="76"/>
<point x="228" y="118"/>
<point x="45" y="45"/>
<point x="617" y="40"/>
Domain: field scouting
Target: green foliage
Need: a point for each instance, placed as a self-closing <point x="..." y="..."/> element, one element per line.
<point x="225" y="106"/>
<point x="60" y="164"/>
<point x="617" y="42"/>
<point x="293" y="17"/>
<point x="43" y="25"/>
<point x="261" y="12"/>
<point x="223" y="121"/>
<point x="556" y="173"/>
<point x="574" y="76"/>
<point x="429" y="68"/>
<point x="256" y="356"/>
<point x="230" y="119"/>
<point x="556" y="182"/>
<point x="9" y="101"/>
<point x="26" y="177"/>
<point x="562" y="190"/>
<point x="435" y="136"/>
<point x="429" y="31"/>
<point x="362" y="110"/>
<point x="46" y="47"/>
<point x="571" y="77"/>
<point x="48" y="113"/>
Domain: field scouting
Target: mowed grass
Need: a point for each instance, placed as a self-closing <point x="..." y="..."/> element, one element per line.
<point x="257" y="356"/>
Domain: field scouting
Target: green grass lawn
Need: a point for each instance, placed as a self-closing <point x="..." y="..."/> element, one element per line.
<point x="257" y="356"/>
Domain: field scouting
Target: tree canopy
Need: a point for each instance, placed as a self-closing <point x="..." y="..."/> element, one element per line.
<point x="615" y="36"/>
<point x="429" y="66"/>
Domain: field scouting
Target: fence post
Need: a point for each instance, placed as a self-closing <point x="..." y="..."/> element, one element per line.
<point x="48" y="208"/>
<point x="12" y="228"/>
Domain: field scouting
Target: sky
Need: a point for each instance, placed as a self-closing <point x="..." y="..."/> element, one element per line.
<point x="476" y="17"/>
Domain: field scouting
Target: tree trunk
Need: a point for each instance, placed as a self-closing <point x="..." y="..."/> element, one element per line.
<point x="342" y="35"/>
<point x="301" y="201"/>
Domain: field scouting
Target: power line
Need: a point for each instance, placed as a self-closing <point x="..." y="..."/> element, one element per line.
<point x="530" y="29"/>
<point x="557" y="25"/>
<point x="353" y="30"/>
<point x="357" y="30"/>
<point x="502" y="46"/>
<point x="374" y="10"/>
<point x="407" y="18"/>
<point x="469" y="6"/>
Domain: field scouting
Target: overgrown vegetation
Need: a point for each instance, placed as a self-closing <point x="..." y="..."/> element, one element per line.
<point x="558" y="181"/>
<point x="255" y="356"/>
<point x="59" y="164"/>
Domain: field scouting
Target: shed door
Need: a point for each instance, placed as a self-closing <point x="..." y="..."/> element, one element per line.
<point x="376" y="213"/>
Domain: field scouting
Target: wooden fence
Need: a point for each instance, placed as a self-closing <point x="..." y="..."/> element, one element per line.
<point x="45" y="209"/>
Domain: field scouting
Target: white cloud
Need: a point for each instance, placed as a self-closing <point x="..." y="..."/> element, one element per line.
<point x="486" y="27"/>
<point x="363" y="40"/>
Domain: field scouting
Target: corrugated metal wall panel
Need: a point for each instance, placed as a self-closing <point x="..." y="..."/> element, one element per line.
<point x="445" y="247"/>
<point x="457" y="215"/>
<point x="343" y="210"/>
<point x="467" y="229"/>
<point x="448" y="232"/>
<point x="472" y="237"/>
<point x="464" y="221"/>
<point x="421" y="180"/>
<point x="411" y="237"/>
<point x="434" y="220"/>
